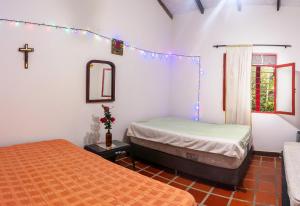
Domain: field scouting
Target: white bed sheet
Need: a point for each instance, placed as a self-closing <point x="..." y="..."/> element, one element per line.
<point x="228" y="140"/>
<point x="291" y="154"/>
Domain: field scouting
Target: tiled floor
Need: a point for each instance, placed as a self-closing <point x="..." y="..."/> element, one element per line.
<point x="261" y="186"/>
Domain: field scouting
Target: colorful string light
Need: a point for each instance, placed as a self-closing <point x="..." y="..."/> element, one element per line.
<point x="146" y="53"/>
<point x="197" y="105"/>
<point x="154" y="54"/>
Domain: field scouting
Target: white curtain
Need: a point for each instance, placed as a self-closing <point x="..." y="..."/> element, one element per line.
<point x="238" y="85"/>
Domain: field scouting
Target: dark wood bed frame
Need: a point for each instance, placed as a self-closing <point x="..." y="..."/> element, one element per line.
<point x="229" y="177"/>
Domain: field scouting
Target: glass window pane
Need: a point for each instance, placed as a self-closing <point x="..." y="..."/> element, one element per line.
<point x="267" y="89"/>
<point x="284" y="88"/>
<point x="264" y="59"/>
<point x="264" y="84"/>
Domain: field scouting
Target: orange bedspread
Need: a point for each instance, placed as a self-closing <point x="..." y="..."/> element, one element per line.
<point x="59" y="173"/>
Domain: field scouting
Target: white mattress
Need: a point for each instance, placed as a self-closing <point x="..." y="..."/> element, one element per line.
<point x="291" y="154"/>
<point x="216" y="160"/>
<point x="227" y="140"/>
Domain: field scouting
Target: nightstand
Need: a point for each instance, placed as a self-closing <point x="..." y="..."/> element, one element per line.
<point x="110" y="154"/>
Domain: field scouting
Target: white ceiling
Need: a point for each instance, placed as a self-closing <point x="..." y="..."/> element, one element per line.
<point x="183" y="6"/>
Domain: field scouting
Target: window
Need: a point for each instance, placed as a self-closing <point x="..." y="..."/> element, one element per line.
<point x="262" y="82"/>
<point x="272" y="85"/>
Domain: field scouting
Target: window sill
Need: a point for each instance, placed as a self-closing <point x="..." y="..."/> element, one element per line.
<point x="263" y="112"/>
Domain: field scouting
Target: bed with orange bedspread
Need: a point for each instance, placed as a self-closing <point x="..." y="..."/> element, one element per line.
<point x="59" y="173"/>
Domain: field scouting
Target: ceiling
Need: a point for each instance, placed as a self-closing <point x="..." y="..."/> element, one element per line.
<point x="183" y="6"/>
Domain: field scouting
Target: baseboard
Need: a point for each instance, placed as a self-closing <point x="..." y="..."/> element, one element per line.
<point x="269" y="154"/>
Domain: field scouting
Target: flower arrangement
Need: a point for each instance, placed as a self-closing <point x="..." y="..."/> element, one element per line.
<point x="107" y="120"/>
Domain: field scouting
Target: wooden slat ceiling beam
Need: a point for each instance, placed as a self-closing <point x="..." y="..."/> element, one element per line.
<point x="200" y="6"/>
<point x="165" y="8"/>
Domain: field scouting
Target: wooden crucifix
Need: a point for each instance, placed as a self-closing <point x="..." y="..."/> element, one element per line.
<point x="26" y="50"/>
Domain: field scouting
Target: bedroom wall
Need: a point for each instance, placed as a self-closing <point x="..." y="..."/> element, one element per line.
<point x="195" y="34"/>
<point x="48" y="100"/>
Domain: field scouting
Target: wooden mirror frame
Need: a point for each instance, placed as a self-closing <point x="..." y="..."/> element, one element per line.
<point x="113" y="71"/>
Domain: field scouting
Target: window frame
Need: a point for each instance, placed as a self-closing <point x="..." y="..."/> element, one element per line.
<point x="266" y="112"/>
<point x="266" y="65"/>
<point x="293" y="65"/>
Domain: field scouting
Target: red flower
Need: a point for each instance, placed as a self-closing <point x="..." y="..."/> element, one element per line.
<point x="112" y="119"/>
<point x="106" y="109"/>
<point x="103" y="119"/>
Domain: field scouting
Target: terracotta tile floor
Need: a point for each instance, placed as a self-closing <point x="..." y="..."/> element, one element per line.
<point x="261" y="186"/>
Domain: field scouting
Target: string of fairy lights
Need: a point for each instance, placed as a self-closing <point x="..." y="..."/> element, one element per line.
<point x="144" y="52"/>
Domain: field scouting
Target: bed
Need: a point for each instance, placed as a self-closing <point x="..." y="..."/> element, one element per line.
<point x="290" y="171"/>
<point x="59" y="173"/>
<point x="216" y="152"/>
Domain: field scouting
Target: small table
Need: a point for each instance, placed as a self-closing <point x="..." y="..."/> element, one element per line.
<point x="110" y="154"/>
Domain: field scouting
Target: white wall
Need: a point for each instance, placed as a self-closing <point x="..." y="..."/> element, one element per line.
<point x="196" y="34"/>
<point x="48" y="100"/>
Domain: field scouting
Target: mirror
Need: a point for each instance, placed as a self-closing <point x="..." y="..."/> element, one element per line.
<point x="100" y="81"/>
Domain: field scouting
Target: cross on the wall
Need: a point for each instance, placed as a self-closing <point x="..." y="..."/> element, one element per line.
<point x="26" y="50"/>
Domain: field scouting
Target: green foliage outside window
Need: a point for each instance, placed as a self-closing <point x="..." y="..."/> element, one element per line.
<point x="266" y="89"/>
